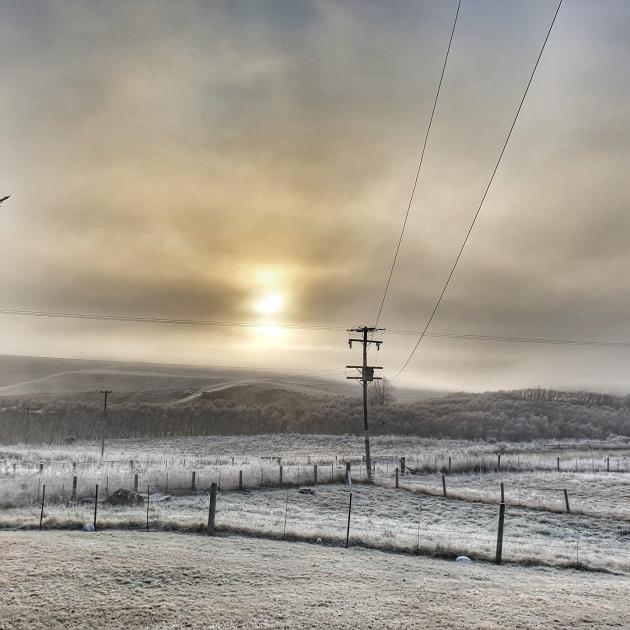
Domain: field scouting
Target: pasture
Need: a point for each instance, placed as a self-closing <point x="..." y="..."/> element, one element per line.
<point x="260" y="478"/>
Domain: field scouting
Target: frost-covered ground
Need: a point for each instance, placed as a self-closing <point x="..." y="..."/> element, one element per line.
<point x="600" y="493"/>
<point x="139" y="580"/>
<point x="298" y="448"/>
<point x="380" y="517"/>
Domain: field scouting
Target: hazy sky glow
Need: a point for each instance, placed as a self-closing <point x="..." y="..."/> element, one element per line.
<point x="252" y="161"/>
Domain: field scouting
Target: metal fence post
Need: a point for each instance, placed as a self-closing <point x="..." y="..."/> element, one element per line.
<point x="148" y="500"/>
<point x="566" y="500"/>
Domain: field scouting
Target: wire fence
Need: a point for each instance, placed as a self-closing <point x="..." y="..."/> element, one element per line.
<point x="16" y="466"/>
<point x="329" y="513"/>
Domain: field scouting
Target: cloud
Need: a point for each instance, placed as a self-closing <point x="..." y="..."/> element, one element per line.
<point x="160" y="157"/>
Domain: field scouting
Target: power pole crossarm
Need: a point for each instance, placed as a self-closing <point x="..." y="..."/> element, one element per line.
<point x="367" y="376"/>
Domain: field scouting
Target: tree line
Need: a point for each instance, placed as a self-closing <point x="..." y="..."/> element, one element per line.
<point x="508" y="416"/>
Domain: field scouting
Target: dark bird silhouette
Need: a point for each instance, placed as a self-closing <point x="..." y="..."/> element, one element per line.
<point x="4" y="198"/>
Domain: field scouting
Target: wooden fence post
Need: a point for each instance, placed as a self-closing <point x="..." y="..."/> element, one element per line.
<point x="193" y="481"/>
<point x="449" y="464"/>
<point x="286" y="513"/>
<point x="95" y="506"/>
<point x="349" y="514"/>
<point x="135" y="482"/>
<point x="444" y="485"/>
<point x="41" y="514"/>
<point x="212" y="509"/>
<point x="74" y="487"/>
<point x="608" y="464"/>
<point x="397" y="484"/>
<point x="240" y="480"/>
<point x="502" y="493"/>
<point x="499" y="552"/>
<point x="402" y="465"/>
<point x="148" y="500"/>
<point x="280" y="468"/>
<point x="314" y="473"/>
<point x="499" y="462"/>
<point x="566" y="500"/>
<point x="558" y="463"/>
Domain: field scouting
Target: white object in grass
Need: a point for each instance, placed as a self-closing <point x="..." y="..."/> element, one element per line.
<point x="88" y="527"/>
<point x="463" y="560"/>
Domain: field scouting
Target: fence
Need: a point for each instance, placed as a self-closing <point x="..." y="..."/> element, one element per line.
<point x="333" y="513"/>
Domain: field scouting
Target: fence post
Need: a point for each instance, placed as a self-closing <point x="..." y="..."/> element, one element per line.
<point x="135" y="482"/>
<point x="558" y="463"/>
<point x="502" y="493"/>
<point x="402" y="465"/>
<point x="608" y="464"/>
<point x="74" y="487"/>
<point x="280" y="468"/>
<point x="347" y="471"/>
<point x="314" y="473"/>
<point x="166" y="489"/>
<point x="566" y="500"/>
<point x="95" y="506"/>
<point x="499" y="553"/>
<point x="349" y="514"/>
<point x="499" y="462"/>
<point x="41" y="468"/>
<point x="212" y="509"/>
<point x="240" y="480"/>
<point x="41" y="514"/>
<point x="193" y="480"/>
<point x="286" y="511"/>
<point x="397" y="477"/>
<point x="444" y="485"/>
<point x="148" y="499"/>
<point x="449" y="464"/>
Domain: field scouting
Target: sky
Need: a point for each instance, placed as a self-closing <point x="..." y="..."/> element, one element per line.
<point x="253" y="161"/>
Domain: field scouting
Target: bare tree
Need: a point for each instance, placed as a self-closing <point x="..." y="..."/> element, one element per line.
<point x="381" y="393"/>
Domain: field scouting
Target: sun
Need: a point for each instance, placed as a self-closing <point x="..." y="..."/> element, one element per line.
<point x="270" y="304"/>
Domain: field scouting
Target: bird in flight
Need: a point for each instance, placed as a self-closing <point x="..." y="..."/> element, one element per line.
<point x="4" y="198"/>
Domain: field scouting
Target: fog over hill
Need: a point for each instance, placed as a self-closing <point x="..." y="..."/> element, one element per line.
<point x="48" y="378"/>
<point x="61" y="400"/>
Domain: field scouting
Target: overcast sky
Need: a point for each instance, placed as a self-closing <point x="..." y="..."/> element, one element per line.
<point x="252" y="161"/>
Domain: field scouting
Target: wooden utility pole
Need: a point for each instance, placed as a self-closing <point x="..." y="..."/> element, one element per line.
<point x="105" y="392"/>
<point x="367" y="376"/>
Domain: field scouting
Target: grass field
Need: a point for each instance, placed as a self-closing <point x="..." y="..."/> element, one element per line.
<point x="414" y="518"/>
<point x="132" y="580"/>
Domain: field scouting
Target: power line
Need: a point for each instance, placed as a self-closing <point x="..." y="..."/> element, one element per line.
<point x="165" y="320"/>
<point x="415" y="183"/>
<point x="483" y="198"/>
<point x="316" y="327"/>
<point x="504" y="338"/>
